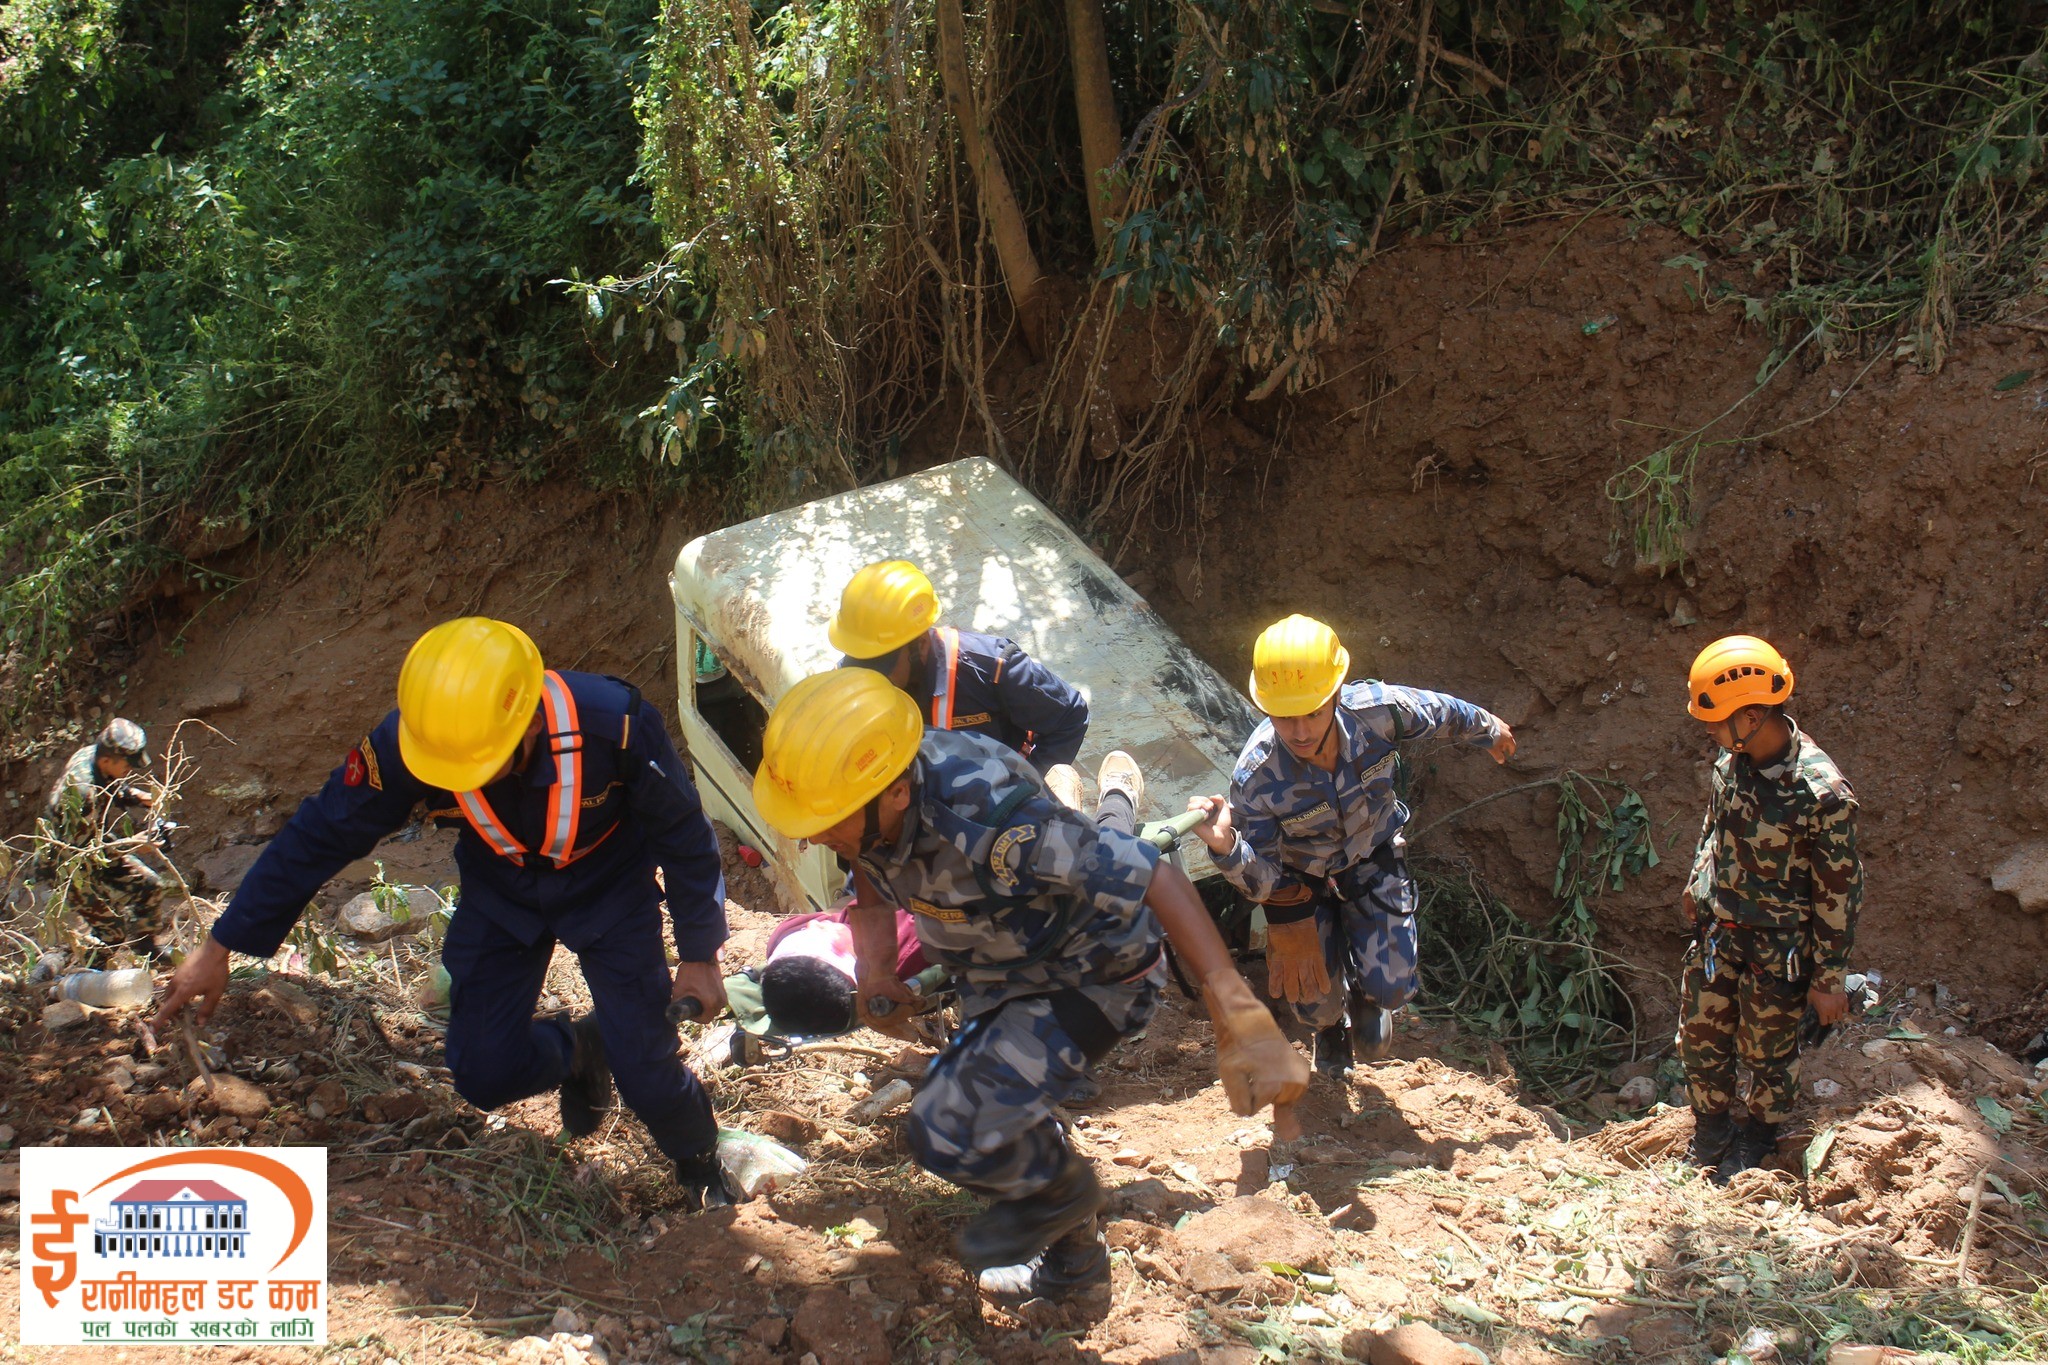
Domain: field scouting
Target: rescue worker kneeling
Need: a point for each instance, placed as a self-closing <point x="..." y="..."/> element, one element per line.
<point x="1052" y="928"/>
<point x="569" y="794"/>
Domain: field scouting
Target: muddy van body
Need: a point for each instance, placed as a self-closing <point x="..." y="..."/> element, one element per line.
<point x="752" y="602"/>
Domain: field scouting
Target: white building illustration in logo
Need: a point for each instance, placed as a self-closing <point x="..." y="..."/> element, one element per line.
<point x="173" y="1218"/>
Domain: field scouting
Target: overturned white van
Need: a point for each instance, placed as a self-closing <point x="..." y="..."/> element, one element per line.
<point x="752" y="602"/>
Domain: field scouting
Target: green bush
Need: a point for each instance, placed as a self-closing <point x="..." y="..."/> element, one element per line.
<point x="251" y="288"/>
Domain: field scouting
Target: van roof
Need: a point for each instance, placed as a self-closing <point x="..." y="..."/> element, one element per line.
<point x="763" y="591"/>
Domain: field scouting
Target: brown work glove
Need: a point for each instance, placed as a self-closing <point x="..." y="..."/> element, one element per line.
<point x="1295" y="970"/>
<point x="1256" y="1062"/>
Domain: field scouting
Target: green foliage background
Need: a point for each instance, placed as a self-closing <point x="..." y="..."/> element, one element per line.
<point x="262" y="263"/>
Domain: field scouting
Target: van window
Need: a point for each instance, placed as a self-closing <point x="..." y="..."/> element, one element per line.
<point x="727" y="708"/>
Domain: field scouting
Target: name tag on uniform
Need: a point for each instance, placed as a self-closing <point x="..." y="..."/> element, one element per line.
<point x="1313" y="813"/>
<point x="1375" y="770"/>
<point x="967" y="722"/>
<point x="918" y="907"/>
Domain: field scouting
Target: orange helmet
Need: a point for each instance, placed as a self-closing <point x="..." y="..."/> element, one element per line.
<point x="1734" y="672"/>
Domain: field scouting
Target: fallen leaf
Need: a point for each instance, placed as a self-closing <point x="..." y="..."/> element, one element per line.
<point x="1995" y="1114"/>
<point x="1818" y="1149"/>
<point x="2013" y="381"/>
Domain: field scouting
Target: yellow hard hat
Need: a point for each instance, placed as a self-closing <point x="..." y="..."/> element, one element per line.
<point x="1297" y="665"/>
<point x="883" y="608"/>
<point x="1733" y="672"/>
<point x="834" y="743"/>
<point x="465" y="697"/>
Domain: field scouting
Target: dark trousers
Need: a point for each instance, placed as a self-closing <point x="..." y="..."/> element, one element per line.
<point x="499" y="1052"/>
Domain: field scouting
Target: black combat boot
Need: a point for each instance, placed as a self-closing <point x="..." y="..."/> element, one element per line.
<point x="1333" y="1051"/>
<point x="1372" y="1029"/>
<point x="1011" y="1232"/>
<point x="586" y="1092"/>
<point x="1075" y="1262"/>
<point x="1711" y="1134"/>
<point x="1755" y="1143"/>
<point x="702" y="1181"/>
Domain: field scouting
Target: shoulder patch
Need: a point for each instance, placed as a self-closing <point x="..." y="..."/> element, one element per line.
<point x="1829" y="788"/>
<point x="1006" y="856"/>
<point x="360" y="768"/>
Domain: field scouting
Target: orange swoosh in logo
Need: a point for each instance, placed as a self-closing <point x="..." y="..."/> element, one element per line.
<point x="276" y="1172"/>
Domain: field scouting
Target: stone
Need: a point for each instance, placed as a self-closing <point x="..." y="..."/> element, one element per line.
<point x="1208" y="1272"/>
<point x="566" y="1320"/>
<point x="215" y="698"/>
<point x="362" y="919"/>
<point x="1661" y="1334"/>
<point x="328" y="1100"/>
<point x="63" y="1014"/>
<point x="2024" y="876"/>
<point x="243" y="794"/>
<point x="1417" y="1343"/>
<point x="784" y="1126"/>
<point x="1639" y="1093"/>
<point x="394" y="1106"/>
<point x="231" y="1095"/>
<point x="769" y="1331"/>
<point x="6" y="1135"/>
<point x="830" y="1325"/>
<point x="222" y="870"/>
<point x="289" y="1000"/>
<point x="1252" y="1231"/>
<point x="1372" y="1294"/>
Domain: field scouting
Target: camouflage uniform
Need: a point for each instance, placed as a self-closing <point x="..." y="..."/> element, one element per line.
<point x="120" y="899"/>
<point x="1041" y="916"/>
<point x="1776" y="886"/>
<point x="1339" y="834"/>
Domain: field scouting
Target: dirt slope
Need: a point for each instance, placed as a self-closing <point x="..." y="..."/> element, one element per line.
<point x="1444" y="504"/>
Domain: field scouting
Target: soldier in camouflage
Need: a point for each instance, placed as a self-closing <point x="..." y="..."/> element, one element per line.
<point x="1312" y="831"/>
<point x="1772" y="903"/>
<point x="104" y="788"/>
<point x="1054" y="928"/>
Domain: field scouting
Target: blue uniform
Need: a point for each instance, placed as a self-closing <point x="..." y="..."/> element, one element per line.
<point x="984" y="684"/>
<point x="637" y="811"/>
<point x="1338" y="834"/>
<point x="1041" y="915"/>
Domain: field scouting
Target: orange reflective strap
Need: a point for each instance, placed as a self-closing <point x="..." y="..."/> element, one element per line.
<point x="942" y="695"/>
<point x="565" y="795"/>
<point x="489" y="828"/>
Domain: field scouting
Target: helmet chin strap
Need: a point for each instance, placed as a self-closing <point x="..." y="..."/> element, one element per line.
<point x="1741" y="745"/>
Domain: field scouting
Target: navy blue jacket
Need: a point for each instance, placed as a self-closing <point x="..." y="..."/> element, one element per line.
<point x="639" y="811"/>
<point x="1004" y="693"/>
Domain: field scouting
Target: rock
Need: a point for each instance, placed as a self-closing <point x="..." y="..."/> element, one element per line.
<point x="1826" y="1088"/>
<point x="222" y="870"/>
<point x="63" y="1014"/>
<point x="10" y="1180"/>
<point x="1661" y="1335"/>
<point x="1677" y="1098"/>
<point x="329" y="1098"/>
<point x="233" y="1096"/>
<point x="2024" y="876"/>
<point x="1639" y="1093"/>
<point x="566" y="1320"/>
<point x="876" y="1217"/>
<point x="1417" y="1343"/>
<point x="769" y="1331"/>
<point x="394" y="1106"/>
<point x="1371" y="1294"/>
<point x="6" y="1135"/>
<point x="784" y="1126"/>
<point x="215" y="698"/>
<point x="288" y="1000"/>
<point x="363" y="920"/>
<point x="838" y="1331"/>
<point x="243" y="794"/>
<point x="1252" y="1231"/>
<point x="1207" y="1272"/>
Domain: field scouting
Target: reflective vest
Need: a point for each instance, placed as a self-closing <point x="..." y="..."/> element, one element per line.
<point x="565" y="795"/>
<point x="946" y="679"/>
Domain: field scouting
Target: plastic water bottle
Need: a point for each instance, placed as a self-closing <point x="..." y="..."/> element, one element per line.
<point x="107" y="990"/>
<point x="754" y="1164"/>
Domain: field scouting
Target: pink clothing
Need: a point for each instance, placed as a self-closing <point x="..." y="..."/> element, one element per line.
<point x="910" y="958"/>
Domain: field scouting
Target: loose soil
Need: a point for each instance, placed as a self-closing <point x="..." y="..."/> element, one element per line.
<point x="1443" y="504"/>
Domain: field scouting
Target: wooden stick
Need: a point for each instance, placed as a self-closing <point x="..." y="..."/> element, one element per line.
<point x="1963" y="1275"/>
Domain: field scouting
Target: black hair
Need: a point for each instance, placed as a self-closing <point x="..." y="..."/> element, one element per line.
<point x="807" y="996"/>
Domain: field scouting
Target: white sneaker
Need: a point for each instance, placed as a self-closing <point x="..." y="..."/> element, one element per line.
<point x="1120" y="773"/>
